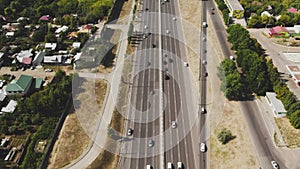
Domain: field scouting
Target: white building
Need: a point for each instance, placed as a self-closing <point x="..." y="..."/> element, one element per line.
<point x="10" y="108"/>
<point x="276" y="105"/>
<point x="51" y="46"/>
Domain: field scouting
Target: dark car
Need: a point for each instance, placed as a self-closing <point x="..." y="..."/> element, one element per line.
<point x="129" y="132"/>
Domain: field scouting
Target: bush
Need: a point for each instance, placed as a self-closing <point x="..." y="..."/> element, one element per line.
<point x="225" y="136"/>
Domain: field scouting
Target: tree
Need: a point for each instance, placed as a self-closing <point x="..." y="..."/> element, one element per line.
<point x="12" y="129"/>
<point x="39" y="35"/>
<point x="293" y="108"/>
<point x="225" y="136"/>
<point x="295" y="119"/>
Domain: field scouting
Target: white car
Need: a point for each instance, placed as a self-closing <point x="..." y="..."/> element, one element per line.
<point x="185" y="64"/>
<point x="149" y="166"/>
<point x="146" y="27"/>
<point x="167" y="31"/>
<point x="179" y="165"/>
<point x="231" y="57"/>
<point x="202" y="147"/>
<point x="204" y="62"/>
<point x="169" y="165"/>
<point x="203" y="110"/>
<point x="275" y="165"/>
<point x="174" y="18"/>
<point x="48" y="70"/>
<point x="174" y="124"/>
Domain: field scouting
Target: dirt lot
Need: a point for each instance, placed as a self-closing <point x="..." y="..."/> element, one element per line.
<point x="238" y="153"/>
<point x="73" y="138"/>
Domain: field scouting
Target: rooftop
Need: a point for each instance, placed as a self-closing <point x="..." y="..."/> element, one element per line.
<point x="278" y="29"/>
<point x="10" y="108"/>
<point x="19" y="85"/>
<point x="234" y="5"/>
<point x="275" y="102"/>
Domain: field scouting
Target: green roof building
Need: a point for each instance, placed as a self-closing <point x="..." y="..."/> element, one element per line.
<point x="20" y="86"/>
<point x="38" y="83"/>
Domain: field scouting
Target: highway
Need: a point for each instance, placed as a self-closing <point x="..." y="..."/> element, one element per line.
<point x="179" y="98"/>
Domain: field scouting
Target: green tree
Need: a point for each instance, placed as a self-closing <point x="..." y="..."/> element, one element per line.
<point x="295" y="119"/>
<point x="293" y="108"/>
<point x="224" y="136"/>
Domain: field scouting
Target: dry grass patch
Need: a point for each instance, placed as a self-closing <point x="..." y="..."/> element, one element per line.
<point x="237" y="153"/>
<point x="73" y="139"/>
<point x="290" y="135"/>
<point x="71" y="142"/>
<point x="123" y="18"/>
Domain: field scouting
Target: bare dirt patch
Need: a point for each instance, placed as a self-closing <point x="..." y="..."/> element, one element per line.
<point x="73" y="139"/>
<point x="290" y="135"/>
<point x="237" y="153"/>
<point x="70" y="143"/>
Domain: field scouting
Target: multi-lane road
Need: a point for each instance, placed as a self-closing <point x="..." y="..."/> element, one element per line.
<point x="159" y="71"/>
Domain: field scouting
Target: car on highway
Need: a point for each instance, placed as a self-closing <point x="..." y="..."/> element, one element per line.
<point x="129" y="132"/>
<point x="203" y="147"/>
<point x="150" y="143"/>
<point x="204" y="62"/>
<point x="170" y="166"/>
<point x="153" y="45"/>
<point x="146" y="27"/>
<point x="231" y="57"/>
<point x="203" y="39"/>
<point x="185" y="64"/>
<point x="203" y="110"/>
<point x="167" y="77"/>
<point x="174" y="124"/>
<point x="174" y="18"/>
<point x="149" y="167"/>
<point x="162" y="2"/>
<point x="212" y="8"/>
<point x="179" y="165"/>
<point x="204" y="24"/>
<point x="167" y="31"/>
<point x="275" y="165"/>
<point x="212" y="12"/>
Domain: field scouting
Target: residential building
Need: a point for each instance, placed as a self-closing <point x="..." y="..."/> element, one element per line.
<point x="38" y="59"/>
<point x="292" y="10"/>
<point x="235" y="8"/>
<point x="20" y="86"/>
<point x="24" y="54"/>
<point x="38" y="83"/>
<point x="51" y="46"/>
<point x="278" y="31"/>
<point x="53" y="59"/>
<point x="10" y="108"/>
<point x="276" y="105"/>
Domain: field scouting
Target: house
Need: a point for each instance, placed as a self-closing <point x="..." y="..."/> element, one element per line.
<point x="38" y="83"/>
<point x="53" y="59"/>
<point x="10" y="108"/>
<point x="235" y="8"/>
<point x="2" y="97"/>
<point x="266" y="13"/>
<point x="51" y="46"/>
<point x="38" y="59"/>
<point x="10" y="34"/>
<point x="292" y="10"/>
<point x="61" y="29"/>
<point x="26" y="61"/>
<point x="20" y="86"/>
<point x="46" y="18"/>
<point x="276" y="105"/>
<point x="1" y="54"/>
<point x="76" y="45"/>
<point x="24" y="54"/>
<point x="278" y="31"/>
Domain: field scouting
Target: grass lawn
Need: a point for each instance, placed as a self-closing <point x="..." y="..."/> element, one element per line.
<point x="290" y="135"/>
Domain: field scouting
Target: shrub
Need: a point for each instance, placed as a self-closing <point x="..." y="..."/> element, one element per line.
<point x="225" y="136"/>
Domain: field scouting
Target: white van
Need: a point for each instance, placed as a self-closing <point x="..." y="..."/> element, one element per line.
<point x="204" y="24"/>
<point x="169" y="165"/>
<point x="148" y="167"/>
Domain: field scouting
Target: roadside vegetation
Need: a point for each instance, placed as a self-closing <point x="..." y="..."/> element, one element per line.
<point x="258" y="75"/>
<point x="225" y="136"/>
<point x="225" y="11"/>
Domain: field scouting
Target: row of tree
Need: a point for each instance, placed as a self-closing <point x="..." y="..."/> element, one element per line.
<point x="258" y="75"/>
<point x="225" y="11"/>
<point x="88" y="10"/>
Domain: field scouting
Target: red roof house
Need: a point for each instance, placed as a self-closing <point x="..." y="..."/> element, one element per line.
<point x="278" y="31"/>
<point x="45" y="18"/>
<point x="26" y="61"/>
<point x="292" y="10"/>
